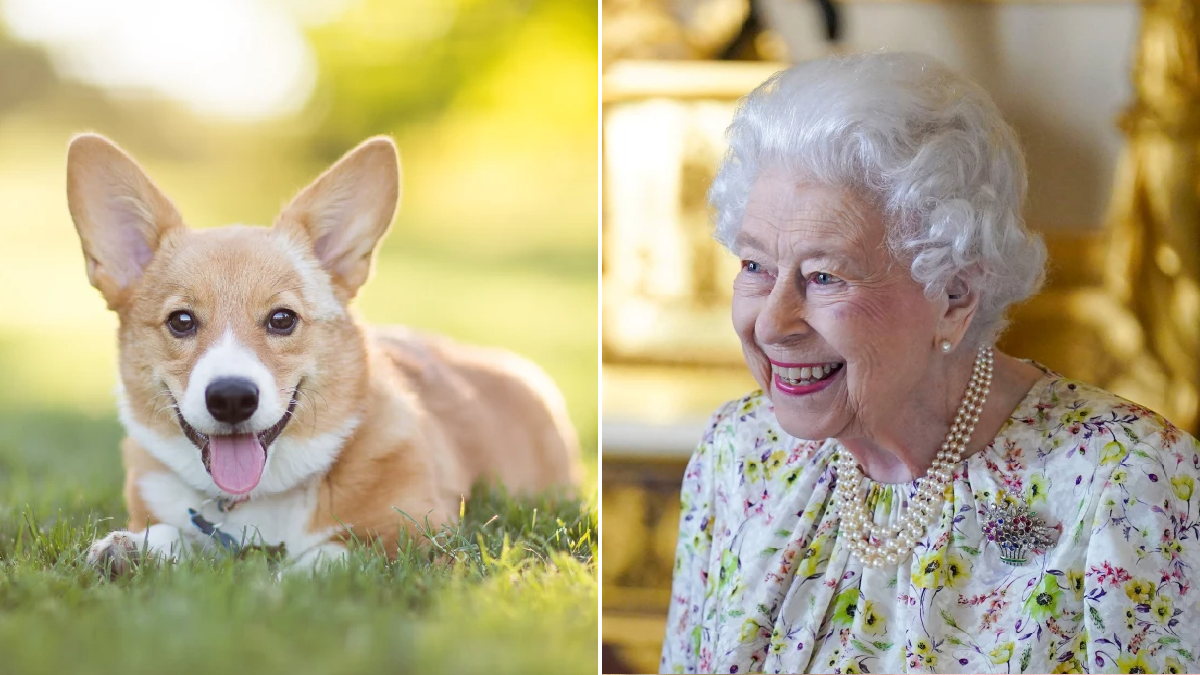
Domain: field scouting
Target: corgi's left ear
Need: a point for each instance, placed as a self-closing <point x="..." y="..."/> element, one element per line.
<point x="347" y="210"/>
<point x="121" y="216"/>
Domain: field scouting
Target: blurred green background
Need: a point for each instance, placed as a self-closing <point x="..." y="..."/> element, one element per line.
<point x="232" y="106"/>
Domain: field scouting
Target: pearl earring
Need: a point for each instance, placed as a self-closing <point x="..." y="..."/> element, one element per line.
<point x="946" y="346"/>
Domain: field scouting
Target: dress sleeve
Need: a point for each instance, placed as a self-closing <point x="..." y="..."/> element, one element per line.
<point x="1142" y="610"/>
<point x="689" y="586"/>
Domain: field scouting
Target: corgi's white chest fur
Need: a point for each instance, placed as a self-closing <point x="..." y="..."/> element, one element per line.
<point x="271" y="520"/>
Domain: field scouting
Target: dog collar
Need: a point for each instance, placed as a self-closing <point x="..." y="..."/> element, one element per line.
<point x="210" y="529"/>
<point x="227" y="542"/>
<point x="223" y="539"/>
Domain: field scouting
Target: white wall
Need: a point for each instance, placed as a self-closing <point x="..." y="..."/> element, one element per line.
<point x="1060" y="71"/>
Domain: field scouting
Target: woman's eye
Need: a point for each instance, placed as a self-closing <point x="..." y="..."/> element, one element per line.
<point x="824" y="279"/>
<point x="750" y="266"/>
<point x="281" y="322"/>
<point x="181" y="324"/>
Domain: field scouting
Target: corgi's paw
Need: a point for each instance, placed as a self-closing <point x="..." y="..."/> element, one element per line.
<point x="319" y="559"/>
<point x="117" y="553"/>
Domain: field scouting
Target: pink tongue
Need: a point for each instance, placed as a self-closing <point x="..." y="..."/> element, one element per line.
<point x="236" y="462"/>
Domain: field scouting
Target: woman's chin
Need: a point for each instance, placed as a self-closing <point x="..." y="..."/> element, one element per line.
<point x="806" y="426"/>
<point x="805" y="417"/>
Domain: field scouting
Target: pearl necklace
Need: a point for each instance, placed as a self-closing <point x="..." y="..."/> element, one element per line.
<point x="880" y="545"/>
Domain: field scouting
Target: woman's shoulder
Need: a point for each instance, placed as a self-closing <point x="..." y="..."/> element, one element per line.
<point x="1059" y="403"/>
<point x="1068" y="417"/>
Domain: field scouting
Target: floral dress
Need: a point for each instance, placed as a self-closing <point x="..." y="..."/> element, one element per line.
<point x="763" y="583"/>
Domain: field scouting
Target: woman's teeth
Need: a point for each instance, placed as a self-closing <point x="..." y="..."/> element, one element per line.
<point x="806" y="375"/>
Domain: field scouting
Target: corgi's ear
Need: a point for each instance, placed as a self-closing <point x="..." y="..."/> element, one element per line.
<point x="347" y="210"/>
<point x="119" y="213"/>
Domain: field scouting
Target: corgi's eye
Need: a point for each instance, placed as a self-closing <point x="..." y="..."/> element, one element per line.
<point x="281" y="322"/>
<point x="182" y="324"/>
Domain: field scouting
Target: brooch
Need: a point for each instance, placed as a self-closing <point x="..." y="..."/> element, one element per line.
<point x="1013" y="527"/>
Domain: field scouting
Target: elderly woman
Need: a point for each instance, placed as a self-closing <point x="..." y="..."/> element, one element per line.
<point x="901" y="497"/>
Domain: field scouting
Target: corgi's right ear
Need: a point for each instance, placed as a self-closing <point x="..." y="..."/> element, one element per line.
<point x="121" y="216"/>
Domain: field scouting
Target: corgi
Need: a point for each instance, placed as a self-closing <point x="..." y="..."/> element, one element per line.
<point x="258" y="409"/>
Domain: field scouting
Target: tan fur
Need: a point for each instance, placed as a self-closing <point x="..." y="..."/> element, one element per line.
<point x="435" y="415"/>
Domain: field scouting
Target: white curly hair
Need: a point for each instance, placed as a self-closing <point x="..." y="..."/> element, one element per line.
<point x="926" y="145"/>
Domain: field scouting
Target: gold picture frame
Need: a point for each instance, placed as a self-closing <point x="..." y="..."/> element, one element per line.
<point x="665" y="280"/>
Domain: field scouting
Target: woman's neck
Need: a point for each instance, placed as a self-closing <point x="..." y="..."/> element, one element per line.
<point x="904" y="450"/>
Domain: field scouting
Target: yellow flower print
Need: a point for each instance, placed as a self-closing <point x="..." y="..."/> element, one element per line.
<point x="1036" y="489"/>
<point x="1139" y="590"/>
<point x="1002" y="653"/>
<point x="930" y="571"/>
<point x="1173" y="666"/>
<point x="851" y="667"/>
<point x="873" y="621"/>
<point x="753" y="469"/>
<point x="1129" y="619"/>
<point x="1113" y="453"/>
<point x="923" y="647"/>
<point x="1161" y="609"/>
<point x="1130" y="663"/>
<point x="1043" y="602"/>
<point x="1077" y="416"/>
<point x="750" y="628"/>
<point x="1119" y="477"/>
<point x="1075" y="583"/>
<point x="1068" y="666"/>
<point x="931" y="661"/>
<point x="956" y="570"/>
<point x="778" y="641"/>
<point x="775" y="461"/>
<point x="811" y="558"/>
<point x="1182" y="486"/>
<point x="845" y="606"/>
<point x="729" y="568"/>
<point x="1003" y="498"/>
<point x="1172" y="549"/>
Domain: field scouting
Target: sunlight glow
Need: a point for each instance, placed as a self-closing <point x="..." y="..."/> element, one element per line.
<point x="234" y="58"/>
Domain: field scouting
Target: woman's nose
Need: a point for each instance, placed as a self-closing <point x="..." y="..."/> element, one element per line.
<point x="783" y="317"/>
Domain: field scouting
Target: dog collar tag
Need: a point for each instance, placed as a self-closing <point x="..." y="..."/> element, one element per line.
<point x="223" y="539"/>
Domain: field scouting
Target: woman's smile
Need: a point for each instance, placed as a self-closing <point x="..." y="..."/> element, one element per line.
<point x="802" y="379"/>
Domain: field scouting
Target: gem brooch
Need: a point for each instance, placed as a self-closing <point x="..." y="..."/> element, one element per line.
<point x="1016" y="530"/>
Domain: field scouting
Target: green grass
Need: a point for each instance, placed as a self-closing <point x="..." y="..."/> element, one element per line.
<point x="520" y="594"/>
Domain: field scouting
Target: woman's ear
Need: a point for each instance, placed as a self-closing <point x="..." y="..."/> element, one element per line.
<point x="960" y="301"/>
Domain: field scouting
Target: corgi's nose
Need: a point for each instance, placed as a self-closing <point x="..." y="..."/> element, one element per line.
<point x="231" y="399"/>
